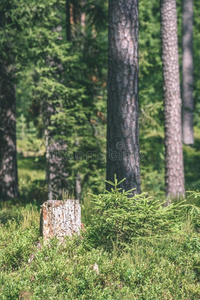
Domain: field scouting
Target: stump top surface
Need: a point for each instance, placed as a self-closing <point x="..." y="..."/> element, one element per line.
<point x="59" y="202"/>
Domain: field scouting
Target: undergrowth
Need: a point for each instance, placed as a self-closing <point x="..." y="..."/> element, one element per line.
<point x="131" y="249"/>
<point x="118" y="218"/>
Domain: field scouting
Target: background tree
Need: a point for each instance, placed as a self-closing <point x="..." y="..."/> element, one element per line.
<point x="8" y="153"/>
<point x="68" y="21"/>
<point x="69" y="83"/>
<point x="71" y="76"/>
<point x="187" y="72"/>
<point x="122" y="111"/>
<point x="174" y="170"/>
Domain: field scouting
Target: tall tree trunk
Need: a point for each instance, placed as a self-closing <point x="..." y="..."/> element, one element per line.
<point x="8" y="152"/>
<point x="68" y="21"/>
<point x="174" y="170"/>
<point x="78" y="187"/>
<point x="56" y="162"/>
<point x="76" y="12"/>
<point x="83" y="15"/>
<point x="123" y="69"/>
<point x="187" y="70"/>
<point x="79" y="18"/>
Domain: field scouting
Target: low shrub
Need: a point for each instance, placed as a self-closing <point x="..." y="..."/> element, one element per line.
<point x="118" y="218"/>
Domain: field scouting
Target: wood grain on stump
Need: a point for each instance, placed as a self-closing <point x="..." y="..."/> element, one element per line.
<point x="60" y="218"/>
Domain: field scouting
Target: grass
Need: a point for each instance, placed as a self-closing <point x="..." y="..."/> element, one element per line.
<point x="150" y="268"/>
<point x="160" y="267"/>
<point x="31" y="173"/>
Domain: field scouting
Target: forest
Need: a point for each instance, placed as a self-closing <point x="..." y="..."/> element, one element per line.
<point x="100" y="102"/>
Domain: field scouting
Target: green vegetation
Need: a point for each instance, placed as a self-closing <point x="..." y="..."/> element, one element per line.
<point x="131" y="248"/>
<point x="158" y="259"/>
<point x="128" y="251"/>
<point x="50" y="69"/>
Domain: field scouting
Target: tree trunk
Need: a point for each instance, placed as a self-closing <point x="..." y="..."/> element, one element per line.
<point x="78" y="186"/>
<point x="60" y="219"/>
<point x="8" y="152"/>
<point x="123" y="69"/>
<point x="174" y="170"/>
<point x="83" y="15"/>
<point x="76" y="12"/>
<point x="56" y="161"/>
<point x="68" y="21"/>
<point x="187" y="70"/>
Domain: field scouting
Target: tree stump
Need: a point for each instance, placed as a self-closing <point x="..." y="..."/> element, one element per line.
<point x="60" y="218"/>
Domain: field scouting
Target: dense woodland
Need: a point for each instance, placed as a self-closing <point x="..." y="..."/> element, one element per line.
<point x="54" y="66"/>
<point x="94" y="91"/>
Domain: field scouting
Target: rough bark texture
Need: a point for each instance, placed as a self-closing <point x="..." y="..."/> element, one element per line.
<point x="60" y="219"/>
<point x="123" y="69"/>
<point x="8" y="152"/>
<point x="174" y="170"/>
<point x="78" y="187"/>
<point x="187" y="70"/>
<point x="68" y="21"/>
<point x="56" y="162"/>
<point x="83" y="15"/>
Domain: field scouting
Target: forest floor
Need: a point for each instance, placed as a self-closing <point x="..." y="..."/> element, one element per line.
<point x="167" y="267"/>
<point x="164" y="267"/>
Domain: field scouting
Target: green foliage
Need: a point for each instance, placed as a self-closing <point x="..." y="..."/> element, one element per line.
<point x="161" y="256"/>
<point x="23" y="232"/>
<point x="165" y="267"/>
<point x="32" y="183"/>
<point x="49" y="69"/>
<point x="193" y="208"/>
<point x="151" y="99"/>
<point x="191" y="161"/>
<point x="69" y="76"/>
<point x="118" y="218"/>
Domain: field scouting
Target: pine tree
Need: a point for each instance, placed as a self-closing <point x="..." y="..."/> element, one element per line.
<point x="8" y="152"/>
<point x="174" y="170"/>
<point x="122" y="118"/>
<point x="187" y="72"/>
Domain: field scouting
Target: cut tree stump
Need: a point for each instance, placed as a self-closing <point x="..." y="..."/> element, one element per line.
<point x="60" y="218"/>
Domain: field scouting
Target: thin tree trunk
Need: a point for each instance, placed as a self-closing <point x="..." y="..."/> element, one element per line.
<point x="56" y="162"/>
<point x="78" y="186"/>
<point x="68" y="21"/>
<point x="76" y="12"/>
<point x="83" y="15"/>
<point x="8" y="152"/>
<point x="123" y="69"/>
<point x="174" y="170"/>
<point x="78" y="17"/>
<point x="187" y="70"/>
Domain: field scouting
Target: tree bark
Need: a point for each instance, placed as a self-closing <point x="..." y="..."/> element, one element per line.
<point x="76" y="17"/>
<point x="56" y="161"/>
<point x="174" y="170"/>
<point x="8" y="152"/>
<point x="68" y="21"/>
<point x="187" y="72"/>
<point x="78" y="187"/>
<point x="122" y="108"/>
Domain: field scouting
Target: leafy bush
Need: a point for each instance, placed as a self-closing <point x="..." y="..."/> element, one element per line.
<point x="119" y="218"/>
